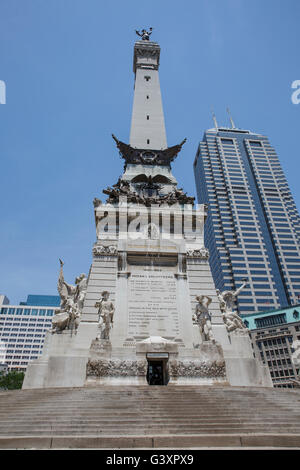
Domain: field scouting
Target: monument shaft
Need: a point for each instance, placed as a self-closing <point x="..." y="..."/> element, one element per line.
<point x="147" y="124"/>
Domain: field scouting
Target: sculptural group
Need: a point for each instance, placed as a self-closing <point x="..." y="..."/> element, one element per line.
<point x="71" y="304"/>
<point x="232" y="320"/>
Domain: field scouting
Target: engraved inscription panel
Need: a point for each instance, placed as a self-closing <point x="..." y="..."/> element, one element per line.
<point x="152" y="306"/>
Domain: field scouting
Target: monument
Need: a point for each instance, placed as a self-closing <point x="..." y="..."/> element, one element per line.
<point x="148" y="311"/>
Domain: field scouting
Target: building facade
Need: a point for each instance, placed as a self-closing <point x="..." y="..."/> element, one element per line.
<point x="23" y="329"/>
<point x="272" y="334"/>
<point x="253" y="226"/>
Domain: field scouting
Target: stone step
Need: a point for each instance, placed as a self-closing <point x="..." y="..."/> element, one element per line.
<point x="33" y="430"/>
<point x="147" y="409"/>
<point x="117" y="414"/>
<point x="179" y="441"/>
<point x="163" y="416"/>
<point x="129" y="427"/>
<point x="199" y="402"/>
<point x="158" y="422"/>
<point x="176" y="415"/>
<point x="128" y="415"/>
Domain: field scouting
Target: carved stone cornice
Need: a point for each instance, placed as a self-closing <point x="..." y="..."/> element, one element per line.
<point x="101" y="250"/>
<point x="146" y="50"/>
<point x="201" y="253"/>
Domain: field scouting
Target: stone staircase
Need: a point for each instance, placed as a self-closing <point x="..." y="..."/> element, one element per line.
<point x="150" y="416"/>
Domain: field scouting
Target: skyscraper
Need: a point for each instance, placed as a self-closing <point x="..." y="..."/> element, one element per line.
<point x="23" y="328"/>
<point x="253" y="226"/>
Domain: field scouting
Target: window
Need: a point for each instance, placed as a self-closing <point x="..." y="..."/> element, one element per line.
<point x="147" y="78"/>
<point x="270" y="320"/>
<point x="255" y="143"/>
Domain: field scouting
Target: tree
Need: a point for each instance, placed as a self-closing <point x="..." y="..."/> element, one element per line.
<point x="12" y="380"/>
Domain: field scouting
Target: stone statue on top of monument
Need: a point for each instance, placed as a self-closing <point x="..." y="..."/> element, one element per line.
<point x="144" y="34"/>
<point x="232" y="320"/>
<point x="202" y="317"/>
<point x="105" y="315"/>
<point x="71" y="302"/>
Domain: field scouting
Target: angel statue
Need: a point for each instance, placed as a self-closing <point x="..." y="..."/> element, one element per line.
<point x="145" y="35"/>
<point x="231" y="319"/>
<point x="71" y="302"/>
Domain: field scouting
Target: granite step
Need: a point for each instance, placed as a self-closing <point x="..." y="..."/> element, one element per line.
<point x="112" y="415"/>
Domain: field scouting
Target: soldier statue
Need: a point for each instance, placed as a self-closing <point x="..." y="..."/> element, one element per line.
<point x="202" y="317"/>
<point x="105" y="315"/>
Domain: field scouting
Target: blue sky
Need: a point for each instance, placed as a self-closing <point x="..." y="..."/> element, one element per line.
<point x="67" y="66"/>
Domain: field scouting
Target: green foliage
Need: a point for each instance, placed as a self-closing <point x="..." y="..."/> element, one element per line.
<point x="12" y="380"/>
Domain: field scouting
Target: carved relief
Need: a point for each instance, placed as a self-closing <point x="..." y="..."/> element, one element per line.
<point x="202" y="253"/>
<point x="101" y="250"/>
<point x="197" y="369"/>
<point x="122" y="189"/>
<point x="117" y="368"/>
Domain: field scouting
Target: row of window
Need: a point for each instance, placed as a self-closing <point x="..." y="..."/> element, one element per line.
<point x="26" y="311"/>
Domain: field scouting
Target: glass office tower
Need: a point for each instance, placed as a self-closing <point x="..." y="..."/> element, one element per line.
<point x="253" y="226"/>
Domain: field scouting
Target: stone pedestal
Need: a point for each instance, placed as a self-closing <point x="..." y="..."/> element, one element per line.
<point x="241" y="366"/>
<point x="61" y="364"/>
